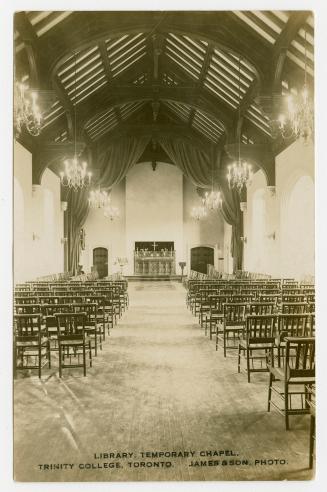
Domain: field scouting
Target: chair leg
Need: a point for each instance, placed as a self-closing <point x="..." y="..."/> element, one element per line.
<point x="60" y="361"/>
<point x="286" y="406"/>
<point x="90" y="353"/>
<point x="49" y="354"/>
<point x="217" y="338"/>
<point x="40" y="361"/>
<point x="84" y="359"/>
<point x="248" y="363"/>
<point x="269" y="389"/>
<point x="224" y="342"/>
<point x="239" y="359"/>
<point x="312" y="434"/>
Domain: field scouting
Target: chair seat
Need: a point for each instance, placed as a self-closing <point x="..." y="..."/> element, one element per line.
<point x="71" y="342"/>
<point x="256" y="344"/>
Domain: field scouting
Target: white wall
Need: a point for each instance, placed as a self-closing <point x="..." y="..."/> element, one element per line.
<point x="154" y="206"/>
<point x="289" y="216"/>
<point x="102" y="232"/>
<point x="38" y="221"/>
<point x="206" y="232"/>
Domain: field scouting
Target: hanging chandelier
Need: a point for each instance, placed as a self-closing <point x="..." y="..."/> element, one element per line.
<point x="98" y="199"/>
<point x="111" y="212"/>
<point x="199" y="212"/>
<point x="213" y="200"/>
<point x="298" y="120"/>
<point x="27" y="113"/>
<point x="240" y="172"/>
<point x="75" y="174"/>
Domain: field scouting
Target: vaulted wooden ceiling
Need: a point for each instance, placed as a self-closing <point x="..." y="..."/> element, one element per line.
<point x="183" y="73"/>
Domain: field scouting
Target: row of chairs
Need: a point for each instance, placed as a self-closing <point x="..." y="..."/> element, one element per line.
<point x="74" y="323"/>
<point x="273" y="332"/>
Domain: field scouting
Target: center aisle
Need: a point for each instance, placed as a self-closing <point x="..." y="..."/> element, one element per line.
<point x="157" y="386"/>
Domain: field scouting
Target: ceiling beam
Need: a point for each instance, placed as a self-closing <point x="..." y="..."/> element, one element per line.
<point x="194" y="97"/>
<point x="295" y="22"/>
<point x="154" y="130"/>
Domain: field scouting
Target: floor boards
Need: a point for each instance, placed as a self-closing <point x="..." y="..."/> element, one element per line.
<point x="157" y="385"/>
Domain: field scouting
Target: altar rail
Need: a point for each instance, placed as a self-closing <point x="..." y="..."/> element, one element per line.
<point x="154" y="263"/>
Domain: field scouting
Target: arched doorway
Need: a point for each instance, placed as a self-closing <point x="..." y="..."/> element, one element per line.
<point x="201" y="256"/>
<point x="100" y="261"/>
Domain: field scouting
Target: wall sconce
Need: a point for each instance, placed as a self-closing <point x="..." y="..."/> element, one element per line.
<point x="243" y="206"/>
<point x="272" y="191"/>
<point x="244" y="239"/>
<point x="35" y="237"/>
<point x="272" y="236"/>
<point x="64" y="240"/>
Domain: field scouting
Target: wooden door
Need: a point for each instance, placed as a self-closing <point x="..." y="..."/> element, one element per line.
<point x="100" y="261"/>
<point x="200" y="258"/>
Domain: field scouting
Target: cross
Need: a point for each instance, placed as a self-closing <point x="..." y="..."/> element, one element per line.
<point x="154" y="245"/>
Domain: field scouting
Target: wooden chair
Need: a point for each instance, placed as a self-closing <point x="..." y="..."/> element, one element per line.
<point x="258" y="342"/>
<point x="233" y="324"/>
<point x="92" y="328"/>
<point x="48" y="313"/>
<point x="30" y="343"/>
<point x="293" y="378"/>
<point x="73" y="342"/>
<point x="101" y="315"/>
<point x="291" y="325"/>
<point x="111" y="315"/>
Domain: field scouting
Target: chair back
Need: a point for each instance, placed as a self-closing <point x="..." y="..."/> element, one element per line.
<point x="294" y="307"/>
<point x="299" y="357"/>
<point x="260" y="328"/>
<point x="234" y="313"/>
<point x="70" y="326"/>
<point x="262" y="308"/>
<point x="27" y="326"/>
<point x="294" y="325"/>
<point x="27" y="308"/>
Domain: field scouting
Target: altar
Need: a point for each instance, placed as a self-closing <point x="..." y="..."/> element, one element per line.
<point x="154" y="258"/>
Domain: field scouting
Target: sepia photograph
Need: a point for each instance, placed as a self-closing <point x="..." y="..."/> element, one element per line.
<point x="163" y="310"/>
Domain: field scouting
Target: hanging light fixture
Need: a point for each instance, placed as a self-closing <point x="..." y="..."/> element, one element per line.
<point x="75" y="173"/>
<point x="212" y="200"/>
<point x="240" y="172"/>
<point x="27" y="113"/>
<point x="199" y="212"/>
<point x="298" y="122"/>
<point x="98" y="199"/>
<point x="111" y="212"/>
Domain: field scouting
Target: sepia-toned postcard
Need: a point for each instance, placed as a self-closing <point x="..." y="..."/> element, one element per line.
<point x="164" y="245"/>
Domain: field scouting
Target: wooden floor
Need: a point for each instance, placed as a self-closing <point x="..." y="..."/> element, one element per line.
<point x="158" y="386"/>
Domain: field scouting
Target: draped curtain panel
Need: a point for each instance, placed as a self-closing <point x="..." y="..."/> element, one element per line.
<point x="78" y="208"/>
<point x="197" y="166"/>
<point x="118" y="159"/>
<point x="194" y="163"/>
<point x="114" y="163"/>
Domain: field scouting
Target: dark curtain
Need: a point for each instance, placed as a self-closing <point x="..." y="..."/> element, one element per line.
<point x="114" y="163"/>
<point x="78" y="208"/>
<point x="118" y="159"/>
<point x="197" y="166"/>
<point x="232" y="214"/>
<point x="194" y="163"/>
